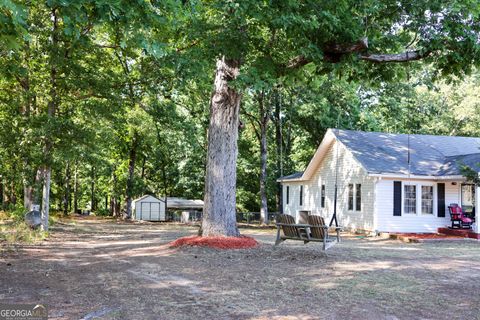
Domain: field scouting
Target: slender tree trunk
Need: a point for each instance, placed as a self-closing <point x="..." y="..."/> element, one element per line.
<point x="131" y="171"/>
<point x="66" y="200"/>
<point x="46" y="198"/>
<point x="52" y="106"/>
<point x="113" y="196"/>
<point x="219" y="216"/>
<point x="92" y="194"/>
<point x="27" y="195"/>
<point x="12" y="194"/>
<point x="263" y="175"/>
<point x="1" y="191"/>
<point x="264" y="119"/>
<point x="75" y="189"/>
<point x="278" y="141"/>
<point x="143" y="166"/>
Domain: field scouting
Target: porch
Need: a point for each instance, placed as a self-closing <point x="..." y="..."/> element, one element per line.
<point x="468" y="198"/>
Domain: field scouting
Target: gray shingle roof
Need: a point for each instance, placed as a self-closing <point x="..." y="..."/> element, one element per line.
<point x="295" y="175"/>
<point x="429" y="155"/>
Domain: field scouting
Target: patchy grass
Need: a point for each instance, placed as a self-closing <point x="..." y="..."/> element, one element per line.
<point x="19" y="232"/>
<point x="115" y="270"/>
<point x="14" y="230"/>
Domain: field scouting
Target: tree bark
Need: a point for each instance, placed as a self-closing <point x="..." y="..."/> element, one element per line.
<point x="46" y="198"/>
<point x="131" y="171"/>
<point x="219" y="215"/>
<point x="1" y="191"/>
<point x="75" y="189"/>
<point x="27" y="195"/>
<point x="279" y="150"/>
<point x="52" y="106"/>
<point x="92" y="194"/>
<point x="264" y="119"/>
<point x="66" y="199"/>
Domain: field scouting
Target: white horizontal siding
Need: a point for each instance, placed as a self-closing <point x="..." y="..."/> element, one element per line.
<point x="387" y="222"/>
<point x="349" y="171"/>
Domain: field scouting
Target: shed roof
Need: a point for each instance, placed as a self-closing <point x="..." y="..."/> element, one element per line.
<point x="181" y="203"/>
<point x="146" y="196"/>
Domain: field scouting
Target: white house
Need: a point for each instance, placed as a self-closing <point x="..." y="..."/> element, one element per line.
<point x="386" y="182"/>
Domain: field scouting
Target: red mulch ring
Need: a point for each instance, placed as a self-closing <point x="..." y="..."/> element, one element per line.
<point x="427" y="235"/>
<point x="241" y="242"/>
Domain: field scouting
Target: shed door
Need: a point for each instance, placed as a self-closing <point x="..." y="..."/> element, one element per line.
<point x="150" y="211"/>
<point x="155" y="211"/>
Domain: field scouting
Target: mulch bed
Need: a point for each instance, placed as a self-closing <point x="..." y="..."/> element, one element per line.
<point x="242" y="242"/>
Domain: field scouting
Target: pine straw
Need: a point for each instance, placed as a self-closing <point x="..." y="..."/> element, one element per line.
<point x="242" y="242"/>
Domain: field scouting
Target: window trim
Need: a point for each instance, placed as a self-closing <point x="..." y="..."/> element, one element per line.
<point x="418" y="202"/>
<point x="404" y="198"/>
<point x="421" y="200"/>
<point x="354" y="199"/>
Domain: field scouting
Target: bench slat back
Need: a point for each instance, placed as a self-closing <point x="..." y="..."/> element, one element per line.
<point x="288" y="231"/>
<point x="316" y="226"/>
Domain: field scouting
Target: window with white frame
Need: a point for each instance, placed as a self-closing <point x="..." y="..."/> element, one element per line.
<point x="354" y="197"/>
<point x="427" y="199"/>
<point x="358" y="197"/>
<point x="350" y="197"/>
<point x="419" y="198"/>
<point x="410" y="199"/>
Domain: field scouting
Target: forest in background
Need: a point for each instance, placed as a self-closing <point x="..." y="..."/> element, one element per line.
<point x="111" y="115"/>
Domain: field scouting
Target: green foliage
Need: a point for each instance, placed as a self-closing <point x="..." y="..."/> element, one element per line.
<point x="137" y="75"/>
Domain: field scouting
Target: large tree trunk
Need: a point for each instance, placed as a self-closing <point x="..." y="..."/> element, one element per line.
<point x="219" y="215"/>
<point x="131" y="171"/>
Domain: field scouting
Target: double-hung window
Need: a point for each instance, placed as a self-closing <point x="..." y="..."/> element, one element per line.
<point x="427" y="199"/>
<point x="410" y="199"/>
<point x="358" y="197"/>
<point x="350" y="197"/>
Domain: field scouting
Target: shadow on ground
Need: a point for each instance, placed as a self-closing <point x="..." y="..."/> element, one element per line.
<point x="108" y="270"/>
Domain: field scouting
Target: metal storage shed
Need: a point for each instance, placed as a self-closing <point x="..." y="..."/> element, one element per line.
<point x="149" y="208"/>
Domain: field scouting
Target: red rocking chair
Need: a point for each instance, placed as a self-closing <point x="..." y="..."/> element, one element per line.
<point x="458" y="218"/>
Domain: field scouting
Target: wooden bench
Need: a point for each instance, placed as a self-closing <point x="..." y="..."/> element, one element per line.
<point x="316" y="230"/>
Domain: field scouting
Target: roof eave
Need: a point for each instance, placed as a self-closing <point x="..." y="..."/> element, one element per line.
<point x="291" y="180"/>
<point x="418" y="177"/>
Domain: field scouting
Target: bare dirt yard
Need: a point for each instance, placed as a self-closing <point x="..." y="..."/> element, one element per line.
<point x="103" y="269"/>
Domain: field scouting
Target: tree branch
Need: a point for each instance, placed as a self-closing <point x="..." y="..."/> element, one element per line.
<point x="333" y="53"/>
<point x="396" y="57"/>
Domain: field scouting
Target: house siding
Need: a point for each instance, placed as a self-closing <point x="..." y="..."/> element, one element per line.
<point x="349" y="172"/>
<point x="387" y="222"/>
